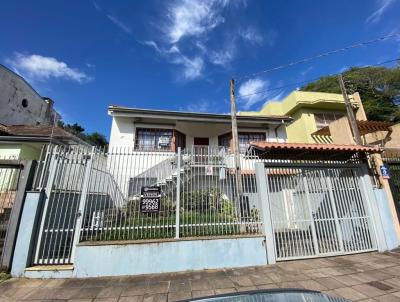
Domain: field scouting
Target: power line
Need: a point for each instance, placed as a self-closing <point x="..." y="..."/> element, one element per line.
<point x="325" y="54"/>
<point x="310" y="80"/>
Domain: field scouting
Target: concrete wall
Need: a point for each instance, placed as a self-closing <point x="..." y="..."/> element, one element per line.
<point x="386" y="219"/>
<point x="13" y="89"/>
<point x="161" y="257"/>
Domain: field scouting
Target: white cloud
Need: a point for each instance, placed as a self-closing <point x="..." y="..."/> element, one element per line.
<point x="251" y="35"/>
<point x="224" y="56"/>
<point x="200" y="106"/>
<point x="252" y="91"/>
<point x="306" y="71"/>
<point x="192" y="68"/>
<point x="125" y="28"/>
<point x="193" y="18"/>
<point x="186" y="35"/>
<point x="37" y="67"/>
<point x="113" y="18"/>
<point x="383" y="5"/>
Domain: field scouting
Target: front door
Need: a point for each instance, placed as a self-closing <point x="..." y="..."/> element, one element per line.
<point x="201" y="141"/>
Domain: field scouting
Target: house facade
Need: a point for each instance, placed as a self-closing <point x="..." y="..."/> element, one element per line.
<point x="157" y="130"/>
<point x="310" y="111"/>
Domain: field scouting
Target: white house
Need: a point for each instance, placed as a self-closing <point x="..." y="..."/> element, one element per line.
<point x="143" y="144"/>
<point x="156" y="130"/>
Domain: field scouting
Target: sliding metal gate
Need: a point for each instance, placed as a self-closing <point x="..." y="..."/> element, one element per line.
<point x="319" y="211"/>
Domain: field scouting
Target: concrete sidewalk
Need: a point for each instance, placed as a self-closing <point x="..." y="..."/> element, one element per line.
<point x="362" y="277"/>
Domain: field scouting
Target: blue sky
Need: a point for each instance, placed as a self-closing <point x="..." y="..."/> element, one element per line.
<point x="180" y="55"/>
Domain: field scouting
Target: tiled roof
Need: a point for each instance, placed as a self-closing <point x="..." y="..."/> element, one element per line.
<point x="314" y="147"/>
<point x="35" y="131"/>
<point x="38" y="132"/>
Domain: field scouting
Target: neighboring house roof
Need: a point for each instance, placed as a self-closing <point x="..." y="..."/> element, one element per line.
<point x="308" y="151"/>
<point x="38" y="133"/>
<point x="191" y="116"/>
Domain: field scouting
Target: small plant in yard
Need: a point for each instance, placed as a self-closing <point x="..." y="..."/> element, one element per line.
<point x="4" y="276"/>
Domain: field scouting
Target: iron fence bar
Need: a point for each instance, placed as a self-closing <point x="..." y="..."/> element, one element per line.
<point x="49" y="187"/>
<point x="314" y="233"/>
<point x="178" y="194"/>
<point x="81" y="207"/>
<point x="335" y="214"/>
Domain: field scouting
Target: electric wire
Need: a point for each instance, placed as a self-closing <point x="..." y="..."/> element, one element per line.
<point x="324" y="54"/>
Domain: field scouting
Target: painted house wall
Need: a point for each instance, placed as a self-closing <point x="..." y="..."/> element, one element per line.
<point x="301" y="106"/>
<point x="123" y="131"/>
<point x="19" y="151"/>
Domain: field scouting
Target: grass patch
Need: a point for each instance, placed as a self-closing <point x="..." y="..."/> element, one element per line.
<point x="4" y="276"/>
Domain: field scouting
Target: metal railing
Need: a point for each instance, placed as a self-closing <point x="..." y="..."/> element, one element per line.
<point x="196" y="186"/>
<point x="95" y="195"/>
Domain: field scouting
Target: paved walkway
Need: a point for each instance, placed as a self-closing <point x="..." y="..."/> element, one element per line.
<point x="364" y="277"/>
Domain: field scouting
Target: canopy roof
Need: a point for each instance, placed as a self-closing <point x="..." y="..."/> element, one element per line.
<point x="364" y="127"/>
<point x="300" y="151"/>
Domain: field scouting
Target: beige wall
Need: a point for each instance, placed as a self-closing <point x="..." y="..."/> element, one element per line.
<point x="341" y="132"/>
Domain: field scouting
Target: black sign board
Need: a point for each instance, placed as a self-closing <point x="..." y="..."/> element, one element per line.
<point x="150" y="200"/>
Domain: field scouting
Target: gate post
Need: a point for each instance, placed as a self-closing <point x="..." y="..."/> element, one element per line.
<point x="82" y="203"/>
<point x="263" y="197"/>
<point x="178" y="194"/>
<point x="53" y="167"/>
<point x="373" y="209"/>
<point x="24" y="184"/>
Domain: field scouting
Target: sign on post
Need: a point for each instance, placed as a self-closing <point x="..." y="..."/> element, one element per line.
<point x="385" y="172"/>
<point x="150" y="199"/>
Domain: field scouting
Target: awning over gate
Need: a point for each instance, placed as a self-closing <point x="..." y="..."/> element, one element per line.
<point x="300" y="151"/>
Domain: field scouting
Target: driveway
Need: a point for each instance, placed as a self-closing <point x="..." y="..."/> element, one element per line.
<point x="362" y="277"/>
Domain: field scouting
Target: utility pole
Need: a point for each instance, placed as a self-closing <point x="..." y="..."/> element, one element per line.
<point x="350" y="112"/>
<point x="235" y="140"/>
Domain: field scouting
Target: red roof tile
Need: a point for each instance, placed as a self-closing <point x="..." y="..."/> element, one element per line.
<point x="315" y="147"/>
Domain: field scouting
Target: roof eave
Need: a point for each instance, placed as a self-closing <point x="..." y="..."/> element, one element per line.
<point x="192" y="116"/>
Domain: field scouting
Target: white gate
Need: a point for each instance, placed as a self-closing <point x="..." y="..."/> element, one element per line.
<point x="318" y="211"/>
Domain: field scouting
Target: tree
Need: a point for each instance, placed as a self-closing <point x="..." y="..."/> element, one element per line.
<point x="379" y="89"/>
<point x="95" y="138"/>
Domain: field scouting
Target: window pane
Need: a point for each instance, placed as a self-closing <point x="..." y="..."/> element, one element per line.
<point x="153" y="139"/>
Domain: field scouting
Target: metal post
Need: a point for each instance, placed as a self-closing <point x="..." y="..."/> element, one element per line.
<point x="24" y="184"/>
<point x="49" y="187"/>
<point x="335" y="212"/>
<point x="376" y="227"/>
<point x="235" y="144"/>
<point x="178" y="194"/>
<point x="82" y="202"/>
<point x="313" y="231"/>
<point x="350" y="112"/>
<point x="263" y="197"/>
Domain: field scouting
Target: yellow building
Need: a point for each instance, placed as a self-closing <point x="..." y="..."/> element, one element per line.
<point x="310" y="111"/>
